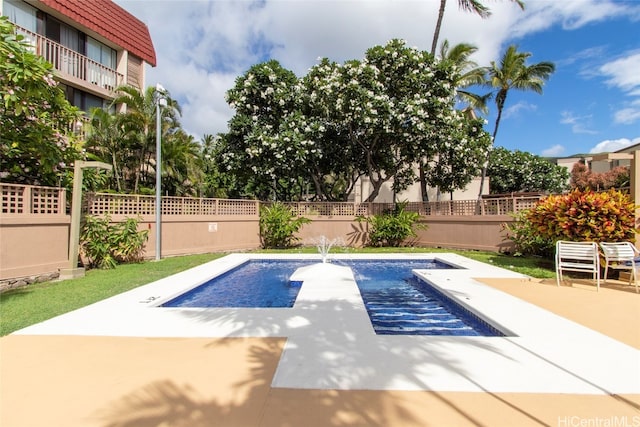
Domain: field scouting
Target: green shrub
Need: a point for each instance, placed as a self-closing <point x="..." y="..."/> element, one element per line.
<point x="104" y="245"/>
<point x="392" y="228"/>
<point x="128" y="241"/>
<point x="584" y="216"/>
<point x="526" y="238"/>
<point x="278" y="225"/>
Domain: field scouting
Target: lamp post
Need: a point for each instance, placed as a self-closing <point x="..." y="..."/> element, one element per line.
<point x="161" y="101"/>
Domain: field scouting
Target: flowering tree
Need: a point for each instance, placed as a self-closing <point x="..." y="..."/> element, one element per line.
<point x="265" y="147"/>
<point x="515" y="171"/>
<point x="462" y="149"/>
<point x="35" y="144"/>
<point x="375" y="117"/>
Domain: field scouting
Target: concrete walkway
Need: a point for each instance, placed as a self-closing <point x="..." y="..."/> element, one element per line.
<point x="573" y="355"/>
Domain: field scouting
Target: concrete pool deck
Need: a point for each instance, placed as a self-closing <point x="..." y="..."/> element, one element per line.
<point x="122" y="362"/>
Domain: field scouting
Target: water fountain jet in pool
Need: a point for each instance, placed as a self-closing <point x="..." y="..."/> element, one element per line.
<point x="324" y="245"/>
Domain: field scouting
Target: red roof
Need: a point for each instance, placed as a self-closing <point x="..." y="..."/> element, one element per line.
<point x="111" y="22"/>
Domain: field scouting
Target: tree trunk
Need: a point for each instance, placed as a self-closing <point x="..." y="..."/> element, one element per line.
<point x="423" y="182"/>
<point x="500" y="100"/>
<point x="376" y="190"/>
<point x="436" y="33"/>
<point x="116" y="171"/>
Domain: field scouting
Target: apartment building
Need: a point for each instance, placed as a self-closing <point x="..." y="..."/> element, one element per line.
<point x="94" y="45"/>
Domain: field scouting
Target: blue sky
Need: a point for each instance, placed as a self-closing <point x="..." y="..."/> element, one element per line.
<point x="590" y="104"/>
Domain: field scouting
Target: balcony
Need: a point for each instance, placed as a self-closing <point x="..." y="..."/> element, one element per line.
<point x="72" y="66"/>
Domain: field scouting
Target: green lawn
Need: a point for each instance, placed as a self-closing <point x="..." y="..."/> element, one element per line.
<point x="22" y="307"/>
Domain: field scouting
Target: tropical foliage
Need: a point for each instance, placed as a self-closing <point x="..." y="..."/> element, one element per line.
<point x="575" y="216"/>
<point x="585" y="216"/>
<point x="389" y="117"/>
<point x="279" y="225"/>
<point x="392" y="228"/>
<point x="513" y="73"/>
<point x="104" y="244"/>
<point x="526" y="238"/>
<point x="36" y="145"/>
<point x="468" y="74"/>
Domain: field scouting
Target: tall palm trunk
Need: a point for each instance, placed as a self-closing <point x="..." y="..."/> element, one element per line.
<point x="436" y="33"/>
<point x="116" y="171"/>
<point x="500" y="100"/>
<point x="434" y="44"/>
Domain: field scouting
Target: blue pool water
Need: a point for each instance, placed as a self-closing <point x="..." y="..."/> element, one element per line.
<point x="255" y="283"/>
<point x="396" y="301"/>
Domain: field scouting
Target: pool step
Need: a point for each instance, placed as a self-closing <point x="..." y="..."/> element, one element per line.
<point x="402" y="311"/>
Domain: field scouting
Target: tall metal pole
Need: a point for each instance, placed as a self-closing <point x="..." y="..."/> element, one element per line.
<point x="158" y="180"/>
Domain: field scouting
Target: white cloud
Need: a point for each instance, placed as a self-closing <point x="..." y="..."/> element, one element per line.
<point x="579" y="124"/>
<point x="608" y="146"/>
<point x="627" y="116"/>
<point x="516" y="109"/>
<point x="555" y="151"/>
<point x="203" y="45"/>
<point x="624" y="72"/>
<point x="542" y="15"/>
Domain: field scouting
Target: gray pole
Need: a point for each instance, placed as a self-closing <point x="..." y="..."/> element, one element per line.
<point x="158" y="181"/>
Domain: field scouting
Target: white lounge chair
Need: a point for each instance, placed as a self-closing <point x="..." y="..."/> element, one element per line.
<point x="621" y="256"/>
<point x="578" y="256"/>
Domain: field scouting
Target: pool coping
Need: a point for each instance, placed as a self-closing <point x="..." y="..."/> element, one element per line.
<point x="331" y="344"/>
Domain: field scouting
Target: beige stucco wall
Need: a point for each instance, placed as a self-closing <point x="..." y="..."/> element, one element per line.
<point x="183" y="235"/>
<point x="465" y="232"/>
<point x="32" y="245"/>
<point x="351" y="232"/>
<point x="450" y="231"/>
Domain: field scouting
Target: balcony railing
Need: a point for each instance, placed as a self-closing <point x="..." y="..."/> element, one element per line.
<point x="71" y="63"/>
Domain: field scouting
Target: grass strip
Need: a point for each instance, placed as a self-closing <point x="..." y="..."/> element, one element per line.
<point x="35" y="303"/>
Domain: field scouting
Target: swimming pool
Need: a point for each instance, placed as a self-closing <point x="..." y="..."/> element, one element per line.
<point x="397" y="302"/>
<point x="257" y="283"/>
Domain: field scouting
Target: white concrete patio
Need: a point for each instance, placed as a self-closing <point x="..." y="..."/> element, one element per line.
<point x="332" y="346"/>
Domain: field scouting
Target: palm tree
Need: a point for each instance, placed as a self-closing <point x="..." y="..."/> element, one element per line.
<point x="105" y="139"/>
<point x="140" y="118"/>
<point x="181" y="165"/>
<point x="468" y="74"/>
<point x="474" y="6"/>
<point x="514" y="73"/>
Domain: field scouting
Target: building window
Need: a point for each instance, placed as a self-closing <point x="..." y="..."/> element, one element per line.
<point x="85" y="101"/>
<point x="21" y="14"/>
<point x="101" y="53"/>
